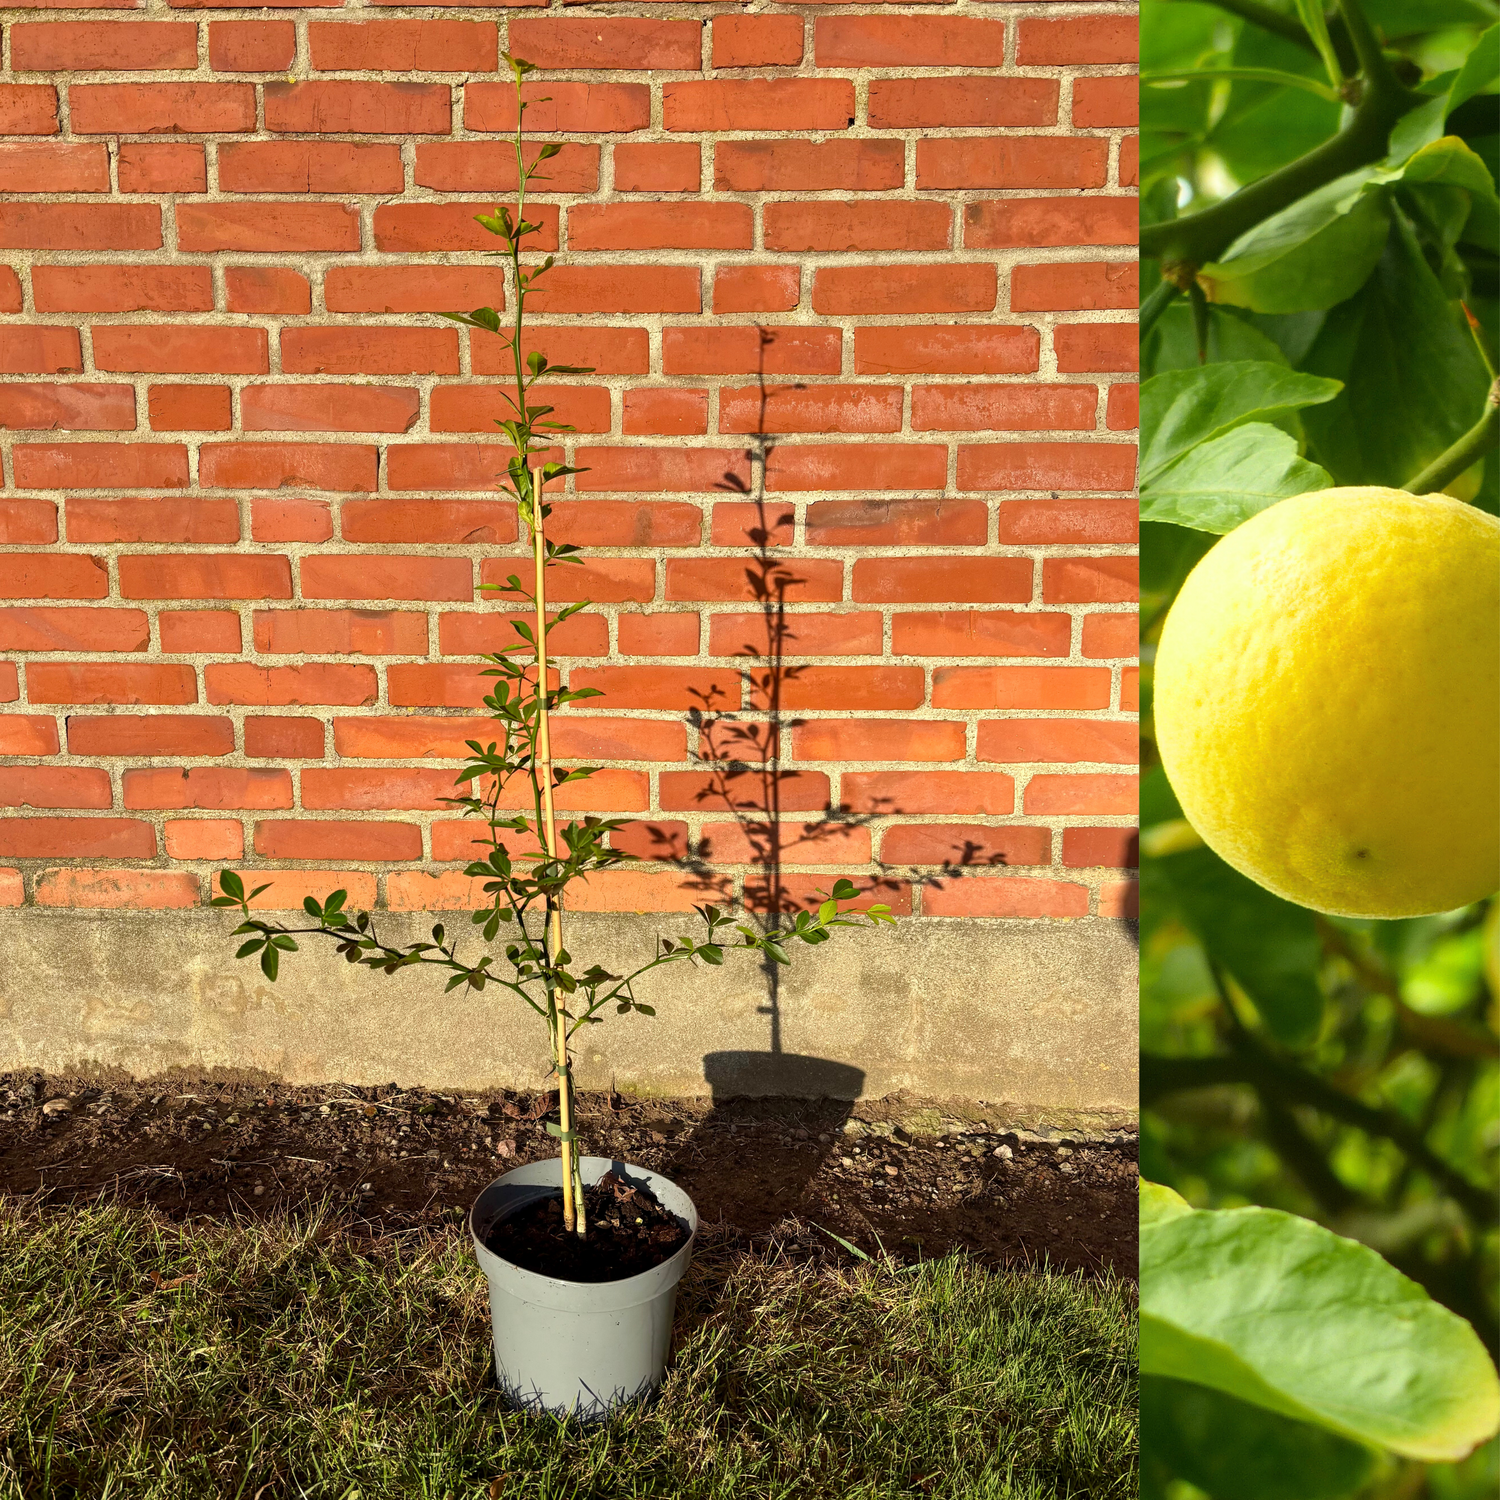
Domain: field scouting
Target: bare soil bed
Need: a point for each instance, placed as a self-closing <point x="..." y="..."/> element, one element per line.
<point x="899" y="1174"/>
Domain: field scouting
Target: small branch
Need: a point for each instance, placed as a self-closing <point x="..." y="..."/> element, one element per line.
<point x="1290" y="28"/>
<point x="1477" y="443"/>
<point x="1160" y="299"/>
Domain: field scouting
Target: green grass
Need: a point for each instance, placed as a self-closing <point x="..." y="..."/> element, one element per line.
<point x="298" y="1359"/>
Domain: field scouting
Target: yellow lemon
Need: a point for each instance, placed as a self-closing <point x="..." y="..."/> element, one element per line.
<point x="1327" y="701"/>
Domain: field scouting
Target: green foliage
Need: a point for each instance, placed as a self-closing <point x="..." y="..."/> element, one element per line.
<point x="1339" y="328"/>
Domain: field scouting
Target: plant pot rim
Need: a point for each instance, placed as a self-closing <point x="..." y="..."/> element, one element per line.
<point x="557" y="1291"/>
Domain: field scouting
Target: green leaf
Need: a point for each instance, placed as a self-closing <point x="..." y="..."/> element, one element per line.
<point x="231" y="885"/>
<point x="1285" y="1315"/>
<point x="269" y="962"/>
<point x="1158" y="1203"/>
<point x="1221" y="484"/>
<point x="1173" y="344"/>
<point x="253" y="946"/>
<point x="844" y="890"/>
<point x="1269" y="945"/>
<point x="1481" y="68"/>
<point x="1182" y="408"/>
<point x="1310" y="13"/>
<point x="1314" y="254"/>
<point x="1236" y="1451"/>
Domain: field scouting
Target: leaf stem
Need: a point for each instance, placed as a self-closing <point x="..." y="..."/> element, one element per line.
<point x="1159" y="299"/>
<point x="1477" y="443"/>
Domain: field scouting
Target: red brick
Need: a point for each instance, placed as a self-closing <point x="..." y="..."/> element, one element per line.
<point x="751" y="351"/>
<point x="1102" y="102"/>
<point x="210" y="787"/>
<point x="112" y="46"/>
<point x="459" y="522"/>
<point x="44" y="628"/>
<point x="203" y="838"/>
<point x="54" y="786"/>
<point x="756" y="41"/>
<point x="445" y="466"/>
<point x="675" y="468"/>
<point x="662" y="410"/>
<point x="739" y="289"/>
<point x="316" y="683"/>
<point x="759" y="104"/>
<point x="1130" y="690"/>
<point x="1120" y="898"/>
<point x="25" y="520"/>
<point x="396" y="289"/>
<point x="614" y="43"/>
<point x="1075" y="523"/>
<point x="1076" y="286"/>
<point x="158" y="108"/>
<point x="1056" y="741"/>
<point x="162" y="167"/>
<point x="1123" y="411"/>
<point x="857" y="466"/>
<point x="39" y="351"/>
<point x="834" y="633"/>
<point x="343" y="107"/>
<point x="284" y="738"/>
<point x="1078" y="39"/>
<point x="1096" y="848"/>
<point x="123" y="289"/>
<point x="326" y="838"/>
<point x="763" y="843"/>
<point x="923" y="41"/>
<point x="661" y="838"/>
<point x="965" y="844"/>
<point x="247" y="226"/>
<point x="1010" y="223"/>
<point x="100" y="466"/>
<point x="815" y="408"/>
<point x="752" y="523"/>
<point x="619" y="289"/>
<point x="10" y="682"/>
<point x="966" y="103"/>
<point x="387" y="576"/>
<point x="626" y="523"/>
<point x="1046" y="466"/>
<point x="199" y="630"/>
<point x="1111" y="635"/>
<point x="881" y="224"/>
<point x="476" y="408"/>
<point x="803" y="166"/>
<point x="205" y="575"/>
<point x="387" y="788"/>
<point x="310" y="167"/>
<point x="451" y="226"/>
<point x="661" y="226"/>
<point x="1004" y="408"/>
<point x="928" y="349"/>
<point x="661" y="687"/>
<point x="575" y="108"/>
<point x="189" y="408"/>
<point x="10" y="290"/>
<point x="271" y="466"/>
<point x="273" y="519"/>
<point x="1081" y="793"/>
<point x="806" y="892"/>
<point x="605" y="580"/>
<point x="28" y="734"/>
<point x="290" y="888"/>
<point x="178" y="519"/>
<point x="28" y="109"/>
<point x="54" y="167"/>
<point x="1013" y="161"/>
<point x="251" y="46"/>
<point x="474" y="166"/>
<point x="54" y="575"/>
<point x="472" y="634"/>
<point x="328" y="408"/>
<point x="699" y="578"/>
<point x="1088" y="347"/>
<point x="1090" y="580"/>
<point x="1021" y="687"/>
<point x="181" y="350"/>
<point x="146" y="890"/>
<point x="342" y="632"/>
<point x="879" y="739"/>
<point x="989" y="792"/>
<point x="658" y="167"/>
<point x="76" y="838"/>
<point x="730" y="790"/>
<point x="425" y="46"/>
<point x="975" y="632"/>
<point x="1003" y="896"/>
<point x="943" y="580"/>
<point x="659" y="635"/>
<point x="1130" y="161"/>
<point x="92" y="407"/>
<point x="841" y="687"/>
<point x="110" y="682"/>
<point x="867" y="290"/>
<point x="897" y="523"/>
<point x="266" y="289"/>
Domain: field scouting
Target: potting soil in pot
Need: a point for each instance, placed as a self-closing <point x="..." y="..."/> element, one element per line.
<point x="628" y="1232"/>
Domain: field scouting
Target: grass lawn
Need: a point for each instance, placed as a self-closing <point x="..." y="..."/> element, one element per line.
<point x="300" y="1356"/>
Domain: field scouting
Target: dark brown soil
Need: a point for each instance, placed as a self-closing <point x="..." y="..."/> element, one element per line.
<point x="628" y="1232"/>
<point x="894" y="1174"/>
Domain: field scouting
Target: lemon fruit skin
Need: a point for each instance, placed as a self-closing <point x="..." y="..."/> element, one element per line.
<point x="1327" y="701"/>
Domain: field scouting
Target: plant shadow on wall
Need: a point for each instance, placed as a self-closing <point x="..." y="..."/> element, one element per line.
<point x="1320" y="1070"/>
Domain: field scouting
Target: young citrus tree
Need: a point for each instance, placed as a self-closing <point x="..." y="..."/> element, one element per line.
<point x="1320" y="226"/>
<point x="525" y="882"/>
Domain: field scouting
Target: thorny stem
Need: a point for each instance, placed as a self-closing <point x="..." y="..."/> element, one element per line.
<point x="1291" y="29"/>
<point x="1478" y="442"/>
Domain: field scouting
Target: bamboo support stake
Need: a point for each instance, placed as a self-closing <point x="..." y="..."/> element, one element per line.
<point x="574" y="1215"/>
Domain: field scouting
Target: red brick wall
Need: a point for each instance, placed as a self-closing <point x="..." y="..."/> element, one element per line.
<point x="248" y="477"/>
